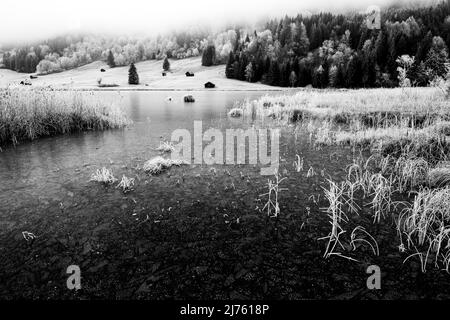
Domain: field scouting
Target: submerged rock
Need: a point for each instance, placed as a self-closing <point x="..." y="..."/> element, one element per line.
<point x="189" y="98"/>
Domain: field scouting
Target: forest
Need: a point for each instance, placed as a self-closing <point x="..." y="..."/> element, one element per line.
<point x="326" y="50"/>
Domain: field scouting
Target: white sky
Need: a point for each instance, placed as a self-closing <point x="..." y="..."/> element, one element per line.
<point x="27" y="20"/>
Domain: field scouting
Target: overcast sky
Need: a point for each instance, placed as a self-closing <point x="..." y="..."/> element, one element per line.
<point x="27" y="20"/>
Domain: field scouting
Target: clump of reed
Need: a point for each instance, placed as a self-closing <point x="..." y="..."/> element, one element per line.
<point x="236" y="112"/>
<point x="30" y="113"/>
<point x="104" y="176"/>
<point x="423" y="225"/>
<point x="340" y="200"/>
<point x="336" y="215"/>
<point x="126" y="184"/>
<point x="439" y="176"/>
<point x="272" y="206"/>
<point x="165" y="146"/>
<point x="360" y="234"/>
<point x="298" y="163"/>
<point x="381" y="193"/>
<point x="374" y="107"/>
<point x="159" y="164"/>
<point x="426" y="227"/>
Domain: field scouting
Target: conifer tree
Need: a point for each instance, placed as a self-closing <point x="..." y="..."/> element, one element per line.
<point x="209" y="56"/>
<point x="166" y="64"/>
<point x="437" y="58"/>
<point x="229" y="71"/>
<point x="249" y="72"/>
<point x="110" y="60"/>
<point x="133" y="77"/>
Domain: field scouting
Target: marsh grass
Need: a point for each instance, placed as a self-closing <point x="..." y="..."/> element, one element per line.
<point x="426" y="227"/>
<point x="272" y="206"/>
<point x="407" y="176"/>
<point x="165" y="146"/>
<point x="159" y="164"/>
<point x="298" y="163"/>
<point x="439" y="176"/>
<point x="360" y="234"/>
<point x="236" y="112"/>
<point x="126" y="184"/>
<point x="27" y="114"/>
<point x="104" y="176"/>
<point x="373" y="107"/>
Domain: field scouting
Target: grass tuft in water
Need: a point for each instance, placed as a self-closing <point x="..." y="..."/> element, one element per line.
<point x="104" y="176"/>
<point x="27" y="114"/>
<point x="126" y="184"/>
<point x="159" y="164"/>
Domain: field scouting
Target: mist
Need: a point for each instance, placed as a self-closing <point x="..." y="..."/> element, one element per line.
<point x="28" y="20"/>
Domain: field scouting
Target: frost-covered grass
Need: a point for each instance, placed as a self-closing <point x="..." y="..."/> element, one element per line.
<point x="440" y="176"/>
<point x="126" y="184"/>
<point x="236" y="112"/>
<point x="407" y="132"/>
<point x="376" y="107"/>
<point x="159" y="164"/>
<point x="165" y="146"/>
<point x="28" y="113"/>
<point x="104" y="176"/>
<point x="425" y="227"/>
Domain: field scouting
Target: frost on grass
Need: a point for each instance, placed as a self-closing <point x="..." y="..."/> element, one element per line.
<point x="159" y="164"/>
<point x="27" y="114"/>
<point x="440" y="176"/>
<point x="126" y="184"/>
<point x="236" y="112"/>
<point x="165" y="146"/>
<point x="378" y="105"/>
<point x="103" y="175"/>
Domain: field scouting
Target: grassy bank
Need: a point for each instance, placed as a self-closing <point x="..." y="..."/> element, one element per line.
<point x="373" y="107"/>
<point x="403" y="173"/>
<point x="27" y="114"/>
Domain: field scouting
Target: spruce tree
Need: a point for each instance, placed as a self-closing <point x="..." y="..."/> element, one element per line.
<point x="166" y="64"/>
<point x="293" y="79"/>
<point x="133" y="77"/>
<point x="273" y="76"/>
<point x="236" y="68"/>
<point x="110" y="60"/>
<point x="209" y="56"/>
<point x="249" y="72"/>
<point x="229" y="71"/>
<point x="437" y="58"/>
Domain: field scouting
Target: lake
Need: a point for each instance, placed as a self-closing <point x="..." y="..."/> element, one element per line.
<point x="194" y="231"/>
<point x="41" y="169"/>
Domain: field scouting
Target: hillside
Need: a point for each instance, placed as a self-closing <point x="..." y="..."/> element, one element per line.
<point x="150" y="76"/>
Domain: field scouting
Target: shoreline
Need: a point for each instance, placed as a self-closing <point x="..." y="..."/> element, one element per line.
<point x="86" y="78"/>
<point x="170" y="89"/>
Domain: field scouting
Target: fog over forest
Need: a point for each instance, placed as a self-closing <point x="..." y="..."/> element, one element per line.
<point x="36" y="20"/>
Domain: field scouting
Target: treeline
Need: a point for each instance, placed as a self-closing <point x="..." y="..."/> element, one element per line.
<point x="327" y="50"/>
<point x="67" y="52"/>
<point x="322" y="50"/>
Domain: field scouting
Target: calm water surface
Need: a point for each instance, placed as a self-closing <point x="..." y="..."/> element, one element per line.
<point x="47" y="169"/>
